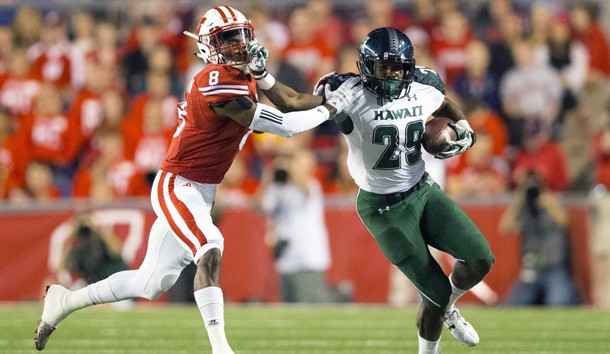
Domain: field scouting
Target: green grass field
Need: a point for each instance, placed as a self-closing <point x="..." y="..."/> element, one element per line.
<point x="304" y="329"/>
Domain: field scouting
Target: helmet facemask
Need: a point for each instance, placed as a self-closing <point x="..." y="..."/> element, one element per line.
<point x="384" y="86"/>
<point x="228" y="46"/>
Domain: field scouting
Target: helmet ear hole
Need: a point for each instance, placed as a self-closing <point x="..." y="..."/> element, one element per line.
<point x="205" y="53"/>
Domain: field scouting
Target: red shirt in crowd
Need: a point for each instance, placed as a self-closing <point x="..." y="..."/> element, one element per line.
<point x="51" y="138"/>
<point x="14" y="158"/>
<point x="550" y="162"/>
<point x="597" y="46"/>
<point x="62" y="65"/>
<point x="86" y="112"/>
<point x="135" y="118"/>
<point x="17" y="95"/>
<point x="601" y="156"/>
<point x="122" y="176"/>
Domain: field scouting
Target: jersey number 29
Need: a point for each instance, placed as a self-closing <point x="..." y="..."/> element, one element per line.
<point x="392" y="155"/>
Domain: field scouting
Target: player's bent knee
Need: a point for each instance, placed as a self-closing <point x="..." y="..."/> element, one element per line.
<point x="479" y="267"/>
<point x="483" y="266"/>
<point x="214" y="244"/>
<point x="150" y="283"/>
<point x="153" y="289"/>
<point x="153" y="292"/>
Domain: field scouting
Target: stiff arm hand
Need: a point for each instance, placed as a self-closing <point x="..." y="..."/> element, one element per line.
<point x="258" y="59"/>
<point x="343" y="96"/>
<point x="318" y="88"/>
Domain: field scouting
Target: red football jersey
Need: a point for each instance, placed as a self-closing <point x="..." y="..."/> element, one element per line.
<point x="204" y="144"/>
<point x="61" y="64"/>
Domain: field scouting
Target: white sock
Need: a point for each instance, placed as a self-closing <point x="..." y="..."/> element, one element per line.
<point x="428" y="347"/>
<point x="211" y="305"/>
<point x="78" y="299"/>
<point x="101" y="293"/>
<point x="456" y="293"/>
<point x="117" y="287"/>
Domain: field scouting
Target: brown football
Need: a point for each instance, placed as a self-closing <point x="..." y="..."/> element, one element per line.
<point x="436" y="133"/>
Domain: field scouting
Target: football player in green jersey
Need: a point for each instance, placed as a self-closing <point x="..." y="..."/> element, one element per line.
<point x="400" y="204"/>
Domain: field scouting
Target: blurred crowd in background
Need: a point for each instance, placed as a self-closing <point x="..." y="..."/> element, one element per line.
<point x="88" y="94"/>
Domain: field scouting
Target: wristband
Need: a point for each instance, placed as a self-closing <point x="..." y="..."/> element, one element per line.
<point x="266" y="82"/>
<point x="322" y="109"/>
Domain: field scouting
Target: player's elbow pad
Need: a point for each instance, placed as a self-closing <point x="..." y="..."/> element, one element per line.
<point x="271" y="120"/>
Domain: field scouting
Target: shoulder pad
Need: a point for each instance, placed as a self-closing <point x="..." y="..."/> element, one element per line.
<point x="336" y="80"/>
<point x="426" y="76"/>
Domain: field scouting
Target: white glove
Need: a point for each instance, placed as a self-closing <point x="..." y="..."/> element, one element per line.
<point x="258" y="59"/>
<point x="447" y="154"/>
<point x="344" y="95"/>
<point x="318" y="89"/>
<point x="466" y="138"/>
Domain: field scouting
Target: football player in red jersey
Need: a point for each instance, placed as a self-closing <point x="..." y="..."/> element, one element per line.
<point x="219" y="112"/>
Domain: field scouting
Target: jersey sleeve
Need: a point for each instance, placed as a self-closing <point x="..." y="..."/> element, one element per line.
<point x="344" y="122"/>
<point x="222" y="83"/>
<point x="426" y="76"/>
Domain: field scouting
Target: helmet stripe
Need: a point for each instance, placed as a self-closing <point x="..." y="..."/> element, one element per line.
<point x="228" y="8"/>
<point x="201" y="23"/>
<point x="222" y="14"/>
<point x="393" y="40"/>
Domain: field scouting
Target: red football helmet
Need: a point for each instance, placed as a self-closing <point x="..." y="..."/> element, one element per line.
<point x="222" y="36"/>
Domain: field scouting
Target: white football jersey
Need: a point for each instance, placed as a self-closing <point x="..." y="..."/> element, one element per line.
<point x="384" y="137"/>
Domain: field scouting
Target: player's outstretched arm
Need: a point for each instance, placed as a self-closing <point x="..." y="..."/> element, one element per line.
<point x="264" y="118"/>
<point x="286" y="99"/>
<point x="283" y="97"/>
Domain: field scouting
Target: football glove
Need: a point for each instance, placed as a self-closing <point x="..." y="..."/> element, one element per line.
<point x="344" y="95"/>
<point x="318" y="89"/>
<point x="466" y="138"/>
<point x="258" y="59"/>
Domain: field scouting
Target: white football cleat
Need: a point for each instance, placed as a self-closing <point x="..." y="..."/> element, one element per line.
<point x="52" y="313"/>
<point x="460" y="328"/>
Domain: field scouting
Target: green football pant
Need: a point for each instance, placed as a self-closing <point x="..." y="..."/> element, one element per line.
<point x="403" y="227"/>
